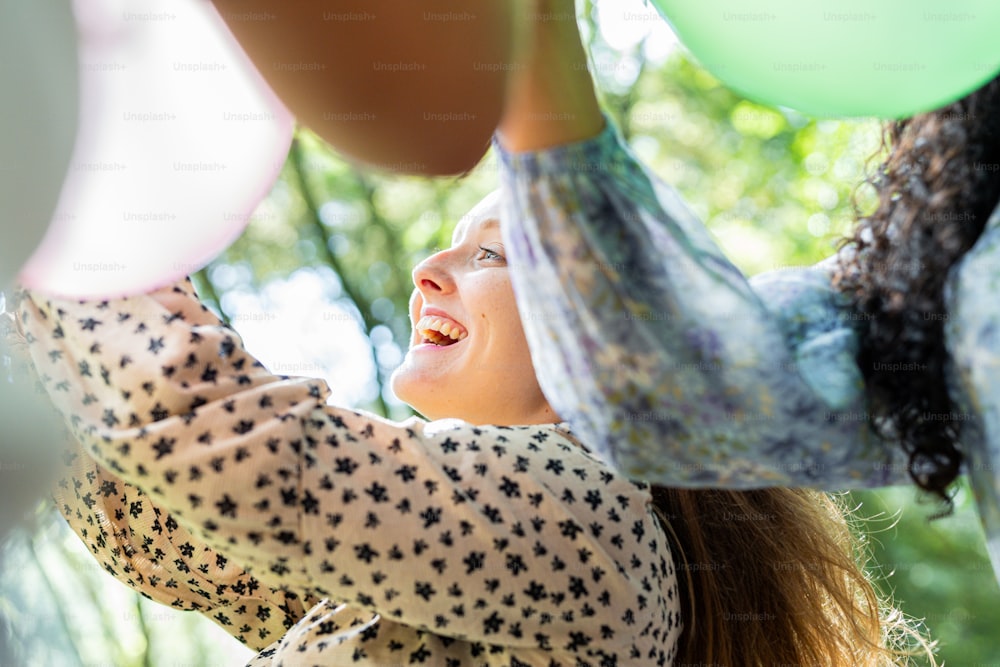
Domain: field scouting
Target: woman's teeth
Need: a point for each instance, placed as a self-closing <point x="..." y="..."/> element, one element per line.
<point x="440" y="330"/>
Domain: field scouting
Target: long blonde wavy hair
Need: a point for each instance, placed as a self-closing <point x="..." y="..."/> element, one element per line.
<point x="773" y="577"/>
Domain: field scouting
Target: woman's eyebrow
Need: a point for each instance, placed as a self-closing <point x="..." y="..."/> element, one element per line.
<point x="487" y="225"/>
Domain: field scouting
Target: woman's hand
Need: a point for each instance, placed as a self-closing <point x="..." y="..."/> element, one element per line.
<point x="411" y="87"/>
<point x="550" y="95"/>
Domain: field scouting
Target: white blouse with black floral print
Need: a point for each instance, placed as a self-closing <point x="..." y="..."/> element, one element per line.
<point x="325" y="536"/>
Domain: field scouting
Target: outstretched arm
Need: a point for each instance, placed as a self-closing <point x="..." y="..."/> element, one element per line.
<point x="138" y="541"/>
<point x="389" y="518"/>
<point x="413" y="87"/>
<point x="972" y="336"/>
<point x="551" y="99"/>
<point x="646" y="338"/>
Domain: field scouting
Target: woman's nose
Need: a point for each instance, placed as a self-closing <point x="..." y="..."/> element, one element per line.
<point x="432" y="276"/>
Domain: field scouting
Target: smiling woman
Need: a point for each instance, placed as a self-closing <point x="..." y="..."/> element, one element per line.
<point x="323" y="535"/>
<point x="465" y="293"/>
<point x="487" y="536"/>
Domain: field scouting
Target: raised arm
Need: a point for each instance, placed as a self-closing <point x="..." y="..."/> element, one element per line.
<point x="972" y="336"/>
<point x="141" y="544"/>
<point x="412" y="87"/>
<point x="646" y="338"/>
<point x="441" y="525"/>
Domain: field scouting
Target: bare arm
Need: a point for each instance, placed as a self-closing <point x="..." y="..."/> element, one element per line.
<point x="415" y="87"/>
<point x="551" y="99"/>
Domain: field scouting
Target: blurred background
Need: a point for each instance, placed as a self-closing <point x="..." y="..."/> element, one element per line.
<point x="318" y="285"/>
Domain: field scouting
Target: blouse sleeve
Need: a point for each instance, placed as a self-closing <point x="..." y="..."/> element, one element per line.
<point x="143" y="546"/>
<point x="972" y="337"/>
<point x="654" y="346"/>
<point x="494" y="534"/>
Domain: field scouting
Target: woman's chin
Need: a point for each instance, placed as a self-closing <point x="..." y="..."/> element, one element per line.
<point x="412" y="385"/>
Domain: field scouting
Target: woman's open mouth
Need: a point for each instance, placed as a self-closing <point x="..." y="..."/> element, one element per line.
<point x="440" y="331"/>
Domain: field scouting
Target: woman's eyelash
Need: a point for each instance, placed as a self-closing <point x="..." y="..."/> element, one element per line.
<point x="488" y="251"/>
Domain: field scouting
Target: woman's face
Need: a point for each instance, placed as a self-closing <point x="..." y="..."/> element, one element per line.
<point x="468" y="357"/>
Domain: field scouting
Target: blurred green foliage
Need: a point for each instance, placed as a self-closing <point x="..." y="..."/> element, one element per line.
<point x="775" y="188"/>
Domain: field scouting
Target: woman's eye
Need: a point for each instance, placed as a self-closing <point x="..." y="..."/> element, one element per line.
<point x="489" y="254"/>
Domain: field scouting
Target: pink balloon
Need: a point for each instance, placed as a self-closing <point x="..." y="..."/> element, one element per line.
<point x="179" y="140"/>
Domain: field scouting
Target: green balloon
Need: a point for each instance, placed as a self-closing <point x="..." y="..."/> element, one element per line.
<point x="887" y="58"/>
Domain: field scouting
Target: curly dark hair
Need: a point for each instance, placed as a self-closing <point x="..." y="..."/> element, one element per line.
<point x="936" y="189"/>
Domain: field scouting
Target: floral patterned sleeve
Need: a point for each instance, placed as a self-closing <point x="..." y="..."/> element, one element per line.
<point x="972" y="337"/>
<point x="421" y="542"/>
<point x="657" y="349"/>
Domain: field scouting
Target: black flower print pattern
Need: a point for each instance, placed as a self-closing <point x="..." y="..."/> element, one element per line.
<point x="144" y="547"/>
<point x="325" y="536"/>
